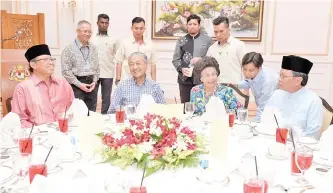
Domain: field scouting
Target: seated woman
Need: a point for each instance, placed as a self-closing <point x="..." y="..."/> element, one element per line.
<point x="208" y="70"/>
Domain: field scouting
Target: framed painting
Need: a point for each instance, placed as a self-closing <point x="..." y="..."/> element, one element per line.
<point x="169" y="17"/>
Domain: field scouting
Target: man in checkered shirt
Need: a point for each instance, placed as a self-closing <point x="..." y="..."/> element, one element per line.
<point x="79" y="65"/>
<point x="131" y="89"/>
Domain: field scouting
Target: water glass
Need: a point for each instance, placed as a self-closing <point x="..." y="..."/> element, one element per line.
<point x="189" y="108"/>
<point x="130" y="111"/>
<point x="242" y="115"/>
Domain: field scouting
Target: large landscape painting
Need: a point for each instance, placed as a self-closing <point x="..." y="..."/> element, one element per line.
<point x="245" y="17"/>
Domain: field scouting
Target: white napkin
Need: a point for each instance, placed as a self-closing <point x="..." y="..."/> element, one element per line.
<point x="145" y="102"/>
<point x="9" y="124"/>
<point x="79" y="110"/>
<point x="268" y="123"/>
<point x="215" y="109"/>
<point x="326" y="144"/>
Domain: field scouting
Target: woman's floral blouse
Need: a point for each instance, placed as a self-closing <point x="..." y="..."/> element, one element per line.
<point x="200" y="99"/>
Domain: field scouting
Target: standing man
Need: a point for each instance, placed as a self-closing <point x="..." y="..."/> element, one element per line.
<point x="136" y="43"/>
<point x="79" y="65"/>
<point x="228" y="51"/>
<point x="297" y="104"/>
<point x="189" y="50"/>
<point x="262" y="81"/>
<point x="106" y="47"/>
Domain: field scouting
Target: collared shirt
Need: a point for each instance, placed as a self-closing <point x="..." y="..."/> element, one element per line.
<point x="188" y="47"/>
<point x="36" y="102"/>
<point x="199" y="98"/>
<point x="129" y="46"/>
<point x="128" y="91"/>
<point x="302" y="108"/>
<point x="106" y="47"/>
<point x="263" y="87"/>
<point x="229" y="56"/>
<point x="79" y="60"/>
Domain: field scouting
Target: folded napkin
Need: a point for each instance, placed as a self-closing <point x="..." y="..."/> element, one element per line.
<point x="326" y="144"/>
<point x="78" y="109"/>
<point x="268" y="123"/>
<point x="145" y="102"/>
<point x="9" y="126"/>
<point x="215" y="109"/>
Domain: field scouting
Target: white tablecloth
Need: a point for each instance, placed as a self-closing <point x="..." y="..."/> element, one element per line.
<point x="183" y="180"/>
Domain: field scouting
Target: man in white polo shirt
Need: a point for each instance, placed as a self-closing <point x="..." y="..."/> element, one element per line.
<point x="136" y="43"/>
<point x="106" y="47"/>
<point x="228" y="51"/>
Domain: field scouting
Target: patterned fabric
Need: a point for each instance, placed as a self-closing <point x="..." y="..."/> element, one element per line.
<point x="188" y="47"/>
<point x="200" y="99"/>
<point x="36" y="102"/>
<point x="73" y="62"/>
<point x="129" y="91"/>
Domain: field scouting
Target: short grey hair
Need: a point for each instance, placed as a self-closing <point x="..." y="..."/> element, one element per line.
<point x="305" y="77"/>
<point x="82" y="22"/>
<point x="145" y="58"/>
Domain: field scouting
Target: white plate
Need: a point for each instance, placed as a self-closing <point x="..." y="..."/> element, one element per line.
<point x="270" y="156"/>
<point x="77" y="156"/>
<point x="318" y="159"/>
<point x="248" y="136"/>
<point x="208" y="177"/>
<point x="6" y="174"/>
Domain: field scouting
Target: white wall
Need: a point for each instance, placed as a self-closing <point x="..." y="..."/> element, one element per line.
<point x="297" y="27"/>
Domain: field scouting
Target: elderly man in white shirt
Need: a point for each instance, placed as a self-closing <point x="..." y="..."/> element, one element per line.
<point x="228" y="51"/>
<point x="106" y="47"/>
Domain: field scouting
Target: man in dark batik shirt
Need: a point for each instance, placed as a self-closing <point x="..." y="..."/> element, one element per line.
<point x="189" y="50"/>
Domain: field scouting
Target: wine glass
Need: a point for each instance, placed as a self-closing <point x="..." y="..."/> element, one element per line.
<point x="304" y="157"/>
<point x="21" y="162"/>
<point x="189" y="109"/>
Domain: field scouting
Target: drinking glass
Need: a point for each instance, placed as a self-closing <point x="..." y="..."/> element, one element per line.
<point x="116" y="183"/>
<point x="189" y="109"/>
<point x="281" y="135"/>
<point x="21" y="163"/>
<point x="130" y="111"/>
<point x="120" y="114"/>
<point x="304" y="157"/>
<point x="254" y="185"/>
<point x="232" y="114"/>
<point x="25" y="141"/>
<point x="242" y="115"/>
<point x="63" y="119"/>
<point x="37" y="166"/>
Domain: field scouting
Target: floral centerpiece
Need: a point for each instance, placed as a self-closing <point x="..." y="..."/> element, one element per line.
<point x="155" y="141"/>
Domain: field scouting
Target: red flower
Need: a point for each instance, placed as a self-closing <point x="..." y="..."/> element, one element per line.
<point x="188" y="132"/>
<point x="157" y="152"/>
<point x="191" y="146"/>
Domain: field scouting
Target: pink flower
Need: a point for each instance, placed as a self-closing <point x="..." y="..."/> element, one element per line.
<point x="191" y="146"/>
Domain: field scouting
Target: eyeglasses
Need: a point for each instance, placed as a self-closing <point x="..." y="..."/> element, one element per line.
<point x="209" y="75"/>
<point x="283" y="77"/>
<point x="46" y="60"/>
<point x="86" y="31"/>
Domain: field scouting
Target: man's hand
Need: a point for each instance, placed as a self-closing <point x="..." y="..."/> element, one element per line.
<point x="92" y="86"/>
<point x="186" y="72"/>
<point x="84" y="87"/>
<point x="195" y="60"/>
<point x="117" y="81"/>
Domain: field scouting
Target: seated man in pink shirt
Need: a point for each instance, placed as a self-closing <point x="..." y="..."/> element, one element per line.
<point x="40" y="98"/>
